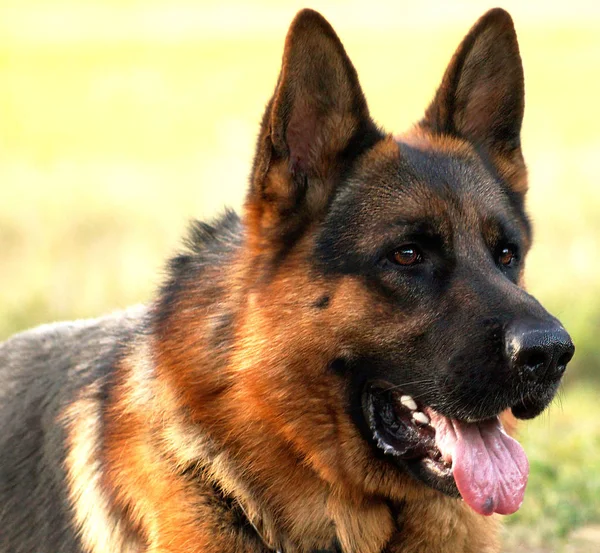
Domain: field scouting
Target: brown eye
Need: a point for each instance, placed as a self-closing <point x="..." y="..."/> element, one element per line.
<point x="406" y="256"/>
<point x="507" y="255"/>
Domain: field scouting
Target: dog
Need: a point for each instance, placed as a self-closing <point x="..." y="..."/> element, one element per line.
<point x="331" y="371"/>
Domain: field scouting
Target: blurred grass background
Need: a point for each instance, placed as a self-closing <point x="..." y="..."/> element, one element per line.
<point x="122" y="119"/>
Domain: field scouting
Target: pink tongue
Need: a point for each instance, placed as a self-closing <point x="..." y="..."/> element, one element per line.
<point x="490" y="468"/>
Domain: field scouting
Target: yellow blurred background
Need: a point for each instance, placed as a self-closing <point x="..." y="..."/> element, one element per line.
<point x="122" y="119"/>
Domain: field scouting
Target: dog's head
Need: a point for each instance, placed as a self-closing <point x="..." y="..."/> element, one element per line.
<point x="388" y="273"/>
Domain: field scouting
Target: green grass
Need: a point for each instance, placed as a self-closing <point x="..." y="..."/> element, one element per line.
<point x="113" y="135"/>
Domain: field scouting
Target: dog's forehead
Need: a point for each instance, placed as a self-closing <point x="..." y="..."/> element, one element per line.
<point x="458" y="179"/>
<point x="400" y="180"/>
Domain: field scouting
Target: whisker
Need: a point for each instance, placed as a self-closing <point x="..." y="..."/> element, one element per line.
<point x="410" y="383"/>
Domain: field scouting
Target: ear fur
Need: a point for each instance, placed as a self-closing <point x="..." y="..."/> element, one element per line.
<point x="317" y="119"/>
<point x="481" y="98"/>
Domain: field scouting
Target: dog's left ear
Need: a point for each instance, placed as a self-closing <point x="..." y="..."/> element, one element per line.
<point x="481" y="98"/>
<point x="316" y="122"/>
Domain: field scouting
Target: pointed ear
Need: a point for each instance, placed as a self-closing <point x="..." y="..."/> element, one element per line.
<point x="316" y="120"/>
<point x="482" y="97"/>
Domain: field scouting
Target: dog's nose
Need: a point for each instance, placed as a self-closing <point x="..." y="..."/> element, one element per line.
<point x="538" y="350"/>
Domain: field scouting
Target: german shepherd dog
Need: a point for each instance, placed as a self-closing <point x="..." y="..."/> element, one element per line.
<point x="324" y="373"/>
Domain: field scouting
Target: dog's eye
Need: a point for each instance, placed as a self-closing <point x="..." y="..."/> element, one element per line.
<point x="507" y="255"/>
<point x="406" y="255"/>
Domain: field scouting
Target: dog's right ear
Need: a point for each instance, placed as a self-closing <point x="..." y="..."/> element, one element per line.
<point x="315" y="123"/>
<point x="481" y="98"/>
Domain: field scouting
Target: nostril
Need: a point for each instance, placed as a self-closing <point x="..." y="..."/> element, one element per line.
<point x="563" y="360"/>
<point x="560" y="370"/>
<point x="535" y="361"/>
<point x="566" y="357"/>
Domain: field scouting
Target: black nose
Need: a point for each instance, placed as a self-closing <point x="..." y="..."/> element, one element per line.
<point x="538" y="350"/>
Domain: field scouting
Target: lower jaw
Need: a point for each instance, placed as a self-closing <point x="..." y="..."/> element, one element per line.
<point x="426" y="469"/>
<point x="433" y="474"/>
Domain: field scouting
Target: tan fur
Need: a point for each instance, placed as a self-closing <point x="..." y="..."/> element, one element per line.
<point x="425" y="140"/>
<point x="101" y="530"/>
<point x="453" y="528"/>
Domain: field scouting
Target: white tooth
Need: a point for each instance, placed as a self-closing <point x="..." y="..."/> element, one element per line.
<point x="408" y="402"/>
<point x="420" y="417"/>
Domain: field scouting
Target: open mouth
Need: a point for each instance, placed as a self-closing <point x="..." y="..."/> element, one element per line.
<point x="477" y="461"/>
